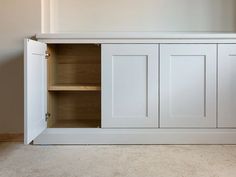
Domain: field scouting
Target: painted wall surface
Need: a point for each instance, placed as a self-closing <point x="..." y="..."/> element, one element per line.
<point x="143" y="15"/>
<point x="19" y="19"/>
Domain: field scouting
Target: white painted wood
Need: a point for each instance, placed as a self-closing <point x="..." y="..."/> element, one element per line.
<point x="188" y="85"/>
<point x="47" y="16"/>
<point x="137" y="37"/>
<point x="136" y="136"/>
<point x="35" y="89"/>
<point x="138" y="41"/>
<point x="129" y="85"/>
<point x="227" y="85"/>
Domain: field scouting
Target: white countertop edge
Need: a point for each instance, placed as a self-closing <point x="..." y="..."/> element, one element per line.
<point x="137" y="35"/>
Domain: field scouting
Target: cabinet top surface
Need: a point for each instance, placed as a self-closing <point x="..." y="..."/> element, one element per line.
<point x="139" y="37"/>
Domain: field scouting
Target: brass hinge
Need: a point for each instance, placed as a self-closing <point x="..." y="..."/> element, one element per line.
<point x="47" y="55"/>
<point x="47" y="116"/>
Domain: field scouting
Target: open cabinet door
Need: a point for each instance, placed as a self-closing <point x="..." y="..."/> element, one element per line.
<point x="35" y="89"/>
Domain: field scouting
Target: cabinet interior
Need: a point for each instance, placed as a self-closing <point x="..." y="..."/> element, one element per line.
<point x="74" y="85"/>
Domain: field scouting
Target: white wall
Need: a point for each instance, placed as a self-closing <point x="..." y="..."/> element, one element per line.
<point x="19" y="19"/>
<point x="143" y="15"/>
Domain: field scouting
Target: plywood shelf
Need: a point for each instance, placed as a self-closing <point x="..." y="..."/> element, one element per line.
<point x="85" y="87"/>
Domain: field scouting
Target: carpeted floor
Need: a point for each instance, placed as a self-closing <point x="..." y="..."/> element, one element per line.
<point x="17" y="160"/>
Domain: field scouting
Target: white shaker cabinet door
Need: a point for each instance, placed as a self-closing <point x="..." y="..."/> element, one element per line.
<point x="35" y="89"/>
<point x="129" y="85"/>
<point x="188" y="85"/>
<point x="227" y="86"/>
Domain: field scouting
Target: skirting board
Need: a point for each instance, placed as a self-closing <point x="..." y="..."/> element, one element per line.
<point x="11" y="137"/>
<point x="136" y="136"/>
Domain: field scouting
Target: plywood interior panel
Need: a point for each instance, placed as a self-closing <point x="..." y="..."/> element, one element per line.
<point x="51" y="65"/>
<point x="78" y="105"/>
<point x="78" y="73"/>
<point x="77" y="124"/>
<point x="74" y="86"/>
<point x="66" y="87"/>
<point x="78" y="64"/>
<point x="52" y="102"/>
<point x="51" y="72"/>
<point x="76" y="109"/>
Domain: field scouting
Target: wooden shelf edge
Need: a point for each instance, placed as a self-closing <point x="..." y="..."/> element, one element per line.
<point x="74" y="88"/>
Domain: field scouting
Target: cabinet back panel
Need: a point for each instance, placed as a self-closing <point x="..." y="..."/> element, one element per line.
<point x="78" y="73"/>
<point x="82" y="51"/>
<point x="76" y="64"/>
<point x="75" y="109"/>
<point x="78" y="105"/>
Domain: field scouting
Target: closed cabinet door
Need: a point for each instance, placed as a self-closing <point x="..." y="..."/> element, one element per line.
<point x="188" y="85"/>
<point x="129" y="85"/>
<point x="227" y="86"/>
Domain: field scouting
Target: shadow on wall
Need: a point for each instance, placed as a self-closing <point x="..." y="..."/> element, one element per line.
<point x="224" y="17"/>
<point x="11" y="95"/>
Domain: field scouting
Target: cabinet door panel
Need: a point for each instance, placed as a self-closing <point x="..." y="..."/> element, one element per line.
<point x="227" y="86"/>
<point x="188" y="85"/>
<point x="35" y="89"/>
<point x="129" y="85"/>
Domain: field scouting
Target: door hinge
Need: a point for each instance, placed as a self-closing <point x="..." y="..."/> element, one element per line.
<point x="47" y="116"/>
<point x="47" y="55"/>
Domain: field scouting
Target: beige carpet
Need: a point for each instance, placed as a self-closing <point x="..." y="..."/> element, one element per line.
<point x="17" y="160"/>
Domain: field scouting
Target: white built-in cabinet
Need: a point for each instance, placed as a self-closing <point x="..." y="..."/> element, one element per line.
<point x="130" y="85"/>
<point x="188" y="85"/>
<point x="84" y="91"/>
